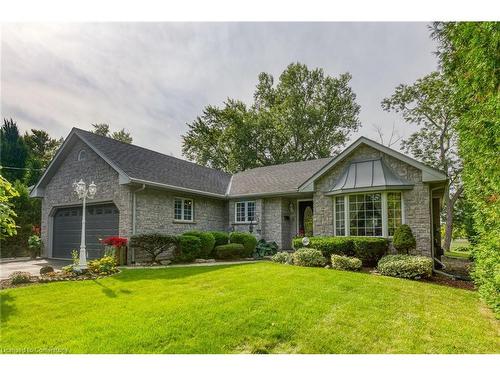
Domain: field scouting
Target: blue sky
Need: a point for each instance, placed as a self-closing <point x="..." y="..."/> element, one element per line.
<point x="153" y="78"/>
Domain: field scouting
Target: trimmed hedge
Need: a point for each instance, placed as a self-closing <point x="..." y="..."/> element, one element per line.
<point x="190" y="248"/>
<point x="207" y="242"/>
<point x="154" y="244"/>
<point x="368" y="249"/>
<point x="19" y="277"/>
<point x="308" y="257"/>
<point x="405" y="266"/>
<point x="230" y="251"/>
<point x="282" y="257"/>
<point x="248" y="241"/>
<point x="221" y="238"/>
<point x="340" y="262"/>
<point x="403" y="240"/>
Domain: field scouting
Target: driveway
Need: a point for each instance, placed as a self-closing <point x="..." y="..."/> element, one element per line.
<point x="29" y="265"/>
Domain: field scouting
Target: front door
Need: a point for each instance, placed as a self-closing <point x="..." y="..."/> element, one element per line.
<point x="305" y="223"/>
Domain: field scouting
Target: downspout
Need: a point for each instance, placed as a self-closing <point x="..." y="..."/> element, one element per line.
<point x="134" y="219"/>
<point x="440" y="272"/>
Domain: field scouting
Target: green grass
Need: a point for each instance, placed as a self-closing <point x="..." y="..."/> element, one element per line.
<point x="257" y="308"/>
<point x="457" y="254"/>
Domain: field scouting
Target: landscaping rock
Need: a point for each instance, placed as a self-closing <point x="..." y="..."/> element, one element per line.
<point x="165" y="262"/>
<point x="328" y="266"/>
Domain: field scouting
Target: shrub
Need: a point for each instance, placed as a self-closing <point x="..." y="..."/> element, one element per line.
<point x="46" y="269"/>
<point x="103" y="266"/>
<point x="154" y="244"/>
<point x="340" y="262"/>
<point x="308" y="257"/>
<point x="19" y="277"/>
<point x="403" y="240"/>
<point x="34" y="245"/>
<point x="68" y="269"/>
<point x="405" y="266"/>
<point x="207" y="242"/>
<point x="190" y="248"/>
<point x="370" y="249"/>
<point x="282" y="257"/>
<point x="230" y="251"/>
<point x="248" y="241"/>
<point x="328" y="245"/>
<point x="221" y="238"/>
<point x="264" y="248"/>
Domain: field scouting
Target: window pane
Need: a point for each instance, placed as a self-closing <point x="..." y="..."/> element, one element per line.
<point x="240" y="211"/>
<point x="365" y="211"/>
<point x="188" y="209"/>
<point x="250" y="211"/>
<point x="178" y="209"/>
<point x="394" y="212"/>
<point x="339" y="216"/>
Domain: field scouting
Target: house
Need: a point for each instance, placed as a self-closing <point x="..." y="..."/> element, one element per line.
<point x="366" y="190"/>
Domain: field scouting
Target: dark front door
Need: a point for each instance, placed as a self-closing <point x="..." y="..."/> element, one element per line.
<point x="305" y="218"/>
<point x="101" y="222"/>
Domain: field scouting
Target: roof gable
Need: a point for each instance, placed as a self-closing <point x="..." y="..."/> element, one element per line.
<point x="429" y="174"/>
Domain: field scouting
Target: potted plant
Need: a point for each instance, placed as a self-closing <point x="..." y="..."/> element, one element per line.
<point x="118" y="246"/>
<point x="34" y="245"/>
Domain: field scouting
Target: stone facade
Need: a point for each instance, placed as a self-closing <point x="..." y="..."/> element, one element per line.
<point x="276" y="216"/>
<point x="59" y="190"/>
<point x="416" y="202"/>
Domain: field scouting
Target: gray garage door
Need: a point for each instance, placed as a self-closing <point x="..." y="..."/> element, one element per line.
<point x="101" y="222"/>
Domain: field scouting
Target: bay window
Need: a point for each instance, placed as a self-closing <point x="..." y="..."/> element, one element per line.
<point x="368" y="214"/>
<point x="244" y="211"/>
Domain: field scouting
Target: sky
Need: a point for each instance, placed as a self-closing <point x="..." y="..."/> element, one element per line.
<point x="154" y="78"/>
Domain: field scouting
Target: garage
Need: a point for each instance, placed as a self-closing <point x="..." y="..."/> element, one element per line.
<point x="101" y="222"/>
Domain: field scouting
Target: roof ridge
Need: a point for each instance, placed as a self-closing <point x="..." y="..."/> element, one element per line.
<point x="150" y="150"/>
<point x="280" y="165"/>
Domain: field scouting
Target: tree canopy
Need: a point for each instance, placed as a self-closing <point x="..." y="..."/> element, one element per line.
<point x="305" y="115"/>
<point x="120" y="135"/>
<point x="14" y="152"/>
<point x="429" y="104"/>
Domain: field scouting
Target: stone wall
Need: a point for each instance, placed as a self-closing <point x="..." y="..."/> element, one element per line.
<point x="416" y="201"/>
<point x="59" y="190"/>
<point x="155" y="213"/>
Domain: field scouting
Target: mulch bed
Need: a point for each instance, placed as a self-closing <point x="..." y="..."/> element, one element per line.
<point x="454" y="283"/>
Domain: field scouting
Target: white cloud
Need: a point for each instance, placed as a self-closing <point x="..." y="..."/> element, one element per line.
<point x="153" y="78"/>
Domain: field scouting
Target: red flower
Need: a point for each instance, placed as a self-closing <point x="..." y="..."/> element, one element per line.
<point x="115" y="241"/>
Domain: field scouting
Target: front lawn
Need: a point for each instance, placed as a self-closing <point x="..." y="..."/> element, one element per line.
<point x="253" y="308"/>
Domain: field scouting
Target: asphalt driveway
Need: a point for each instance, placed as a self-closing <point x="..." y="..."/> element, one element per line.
<point x="29" y="265"/>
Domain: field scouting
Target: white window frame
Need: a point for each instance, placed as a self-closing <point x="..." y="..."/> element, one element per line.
<point x="385" y="227"/>
<point x="246" y="221"/>
<point x="182" y="210"/>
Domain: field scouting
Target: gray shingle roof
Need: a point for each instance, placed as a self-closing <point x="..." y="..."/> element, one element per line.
<point x="276" y="178"/>
<point x="366" y="175"/>
<point x="143" y="164"/>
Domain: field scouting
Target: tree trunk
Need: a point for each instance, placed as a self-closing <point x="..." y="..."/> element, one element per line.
<point x="450" y="203"/>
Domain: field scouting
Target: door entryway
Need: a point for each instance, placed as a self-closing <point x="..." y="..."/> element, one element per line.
<point x="305" y="218"/>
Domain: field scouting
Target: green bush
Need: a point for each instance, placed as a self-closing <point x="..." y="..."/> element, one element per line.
<point x="207" y="242"/>
<point x="308" y="257"/>
<point x="403" y="240"/>
<point x="230" y="251"/>
<point x="405" y="266"/>
<point x="19" y="277"/>
<point x="264" y="248"/>
<point x="486" y="270"/>
<point x="154" y="244"/>
<point x="190" y="248"/>
<point x="282" y="257"/>
<point x="340" y="262"/>
<point x="221" y="238"/>
<point x="328" y="245"/>
<point x="46" y="269"/>
<point x="103" y="266"/>
<point x="370" y="249"/>
<point x="246" y="239"/>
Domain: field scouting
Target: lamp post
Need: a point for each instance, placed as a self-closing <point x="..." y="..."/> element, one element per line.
<point x="83" y="193"/>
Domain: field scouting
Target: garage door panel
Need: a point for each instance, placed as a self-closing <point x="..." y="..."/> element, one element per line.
<point x="101" y="221"/>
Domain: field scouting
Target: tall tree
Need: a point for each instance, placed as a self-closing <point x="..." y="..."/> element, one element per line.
<point x="469" y="55"/>
<point x="41" y="150"/>
<point x="428" y="103"/>
<point x="306" y="115"/>
<point x="7" y="213"/>
<point x="13" y="153"/>
<point x="121" y="135"/>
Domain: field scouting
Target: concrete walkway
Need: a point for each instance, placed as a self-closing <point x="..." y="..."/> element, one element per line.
<point x="7" y="266"/>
